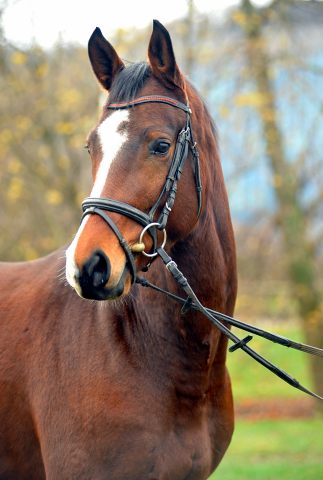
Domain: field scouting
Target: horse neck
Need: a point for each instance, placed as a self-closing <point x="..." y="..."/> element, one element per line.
<point x="181" y="351"/>
<point x="150" y="325"/>
<point x="207" y="259"/>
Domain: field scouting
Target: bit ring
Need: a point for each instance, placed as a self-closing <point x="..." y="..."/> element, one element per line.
<point x="154" y="224"/>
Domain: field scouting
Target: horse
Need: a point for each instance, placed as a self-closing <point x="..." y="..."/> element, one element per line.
<point x="107" y="379"/>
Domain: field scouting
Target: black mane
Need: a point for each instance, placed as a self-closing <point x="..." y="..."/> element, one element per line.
<point x="129" y="81"/>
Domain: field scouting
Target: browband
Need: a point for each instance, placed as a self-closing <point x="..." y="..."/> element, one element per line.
<point x="150" y="98"/>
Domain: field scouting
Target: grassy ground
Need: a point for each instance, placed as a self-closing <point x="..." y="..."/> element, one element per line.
<point x="272" y="449"/>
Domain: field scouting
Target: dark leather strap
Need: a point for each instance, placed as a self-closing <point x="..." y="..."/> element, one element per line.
<point x="150" y="98"/>
<point x="124" y="209"/>
<point x="214" y="318"/>
<point x="123" y="241"/>
<point x="118" y="207"/>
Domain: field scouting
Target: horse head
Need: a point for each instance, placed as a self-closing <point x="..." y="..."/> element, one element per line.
<point x="132" y="150"/>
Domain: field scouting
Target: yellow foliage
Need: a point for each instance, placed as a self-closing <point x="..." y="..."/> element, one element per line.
<point x="14" y="166"/>
<point x="206" y="54"/>
<point x="23" y="123"/>
<point x="253" y="99"/>
<point x="284" y="40"/>
<point x="54" y="197"/>
<point x="255" y="18"/>
<point x="30" y="253"/>
<point x="44" y="151"/>
<point x="37" y="132"/>
<point x="48" y="243"/>
<point x="239" y="18"/>
<point x="64" y="162"/>
<point x="18" y="58"/>
<point x="5" y="135"/>
<point x="244" y="301"/>
<point x="42" y="70"/>
<point x="224" y="111"/>
<point x="15" y="190"/>
<point x="80" y="197"/>
<point x="41" y="170"/>
<point x="314" y="318"/>
<point x="4" y="149"/>
<point x="41" y="104"/>
<point x="65" y="128"/>
<point x="77" y="141"/>
<point x="67" y="99"/>
<point x="181" y="28"/>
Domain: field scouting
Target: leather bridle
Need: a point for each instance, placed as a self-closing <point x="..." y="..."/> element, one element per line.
<point x="185" y="137"/>
<point x="98" y="206"/>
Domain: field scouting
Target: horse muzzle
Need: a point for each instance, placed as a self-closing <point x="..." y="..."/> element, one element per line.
<point x="92" y="282"/>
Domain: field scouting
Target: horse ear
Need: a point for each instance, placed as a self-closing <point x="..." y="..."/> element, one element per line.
<point x="162" y="59"/>
<point x="104" y="59"/>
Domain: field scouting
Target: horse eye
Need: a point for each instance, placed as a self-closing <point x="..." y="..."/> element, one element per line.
<point x="162" y="148"/>
<point x="88" y="149"/>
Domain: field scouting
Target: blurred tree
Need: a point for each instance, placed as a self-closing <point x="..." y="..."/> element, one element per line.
<point x="48" y="104"/>
<point x="294" y="216"/>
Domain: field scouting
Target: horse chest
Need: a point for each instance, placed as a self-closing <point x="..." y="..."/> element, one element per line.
<point x="118" y="426"/>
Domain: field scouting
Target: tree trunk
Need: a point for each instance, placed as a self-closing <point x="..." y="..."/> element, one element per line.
<point x="189" y="39"/>
<point x="292" y="217"/>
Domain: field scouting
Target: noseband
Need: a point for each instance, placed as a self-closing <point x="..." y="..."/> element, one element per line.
<point x="98" y="205"/>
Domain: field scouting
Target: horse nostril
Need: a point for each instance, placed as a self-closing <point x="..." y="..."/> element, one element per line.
<point x="98" y="269"/>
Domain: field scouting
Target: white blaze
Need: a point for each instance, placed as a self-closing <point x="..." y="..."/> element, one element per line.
<point x="111" y="140"/>
<point x="71" y="267"/>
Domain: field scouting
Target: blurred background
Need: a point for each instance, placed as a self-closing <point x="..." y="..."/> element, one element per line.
<point x="260" y="67"/>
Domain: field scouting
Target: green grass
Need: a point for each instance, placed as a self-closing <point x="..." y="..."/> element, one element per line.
<point x="272" y="450"/>
<point x="250" y="380"/>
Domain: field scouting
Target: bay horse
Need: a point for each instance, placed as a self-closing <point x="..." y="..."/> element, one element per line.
<point x="124" y="386"/>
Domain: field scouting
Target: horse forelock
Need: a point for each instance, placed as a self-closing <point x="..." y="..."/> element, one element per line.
<point x="129" y="81"/>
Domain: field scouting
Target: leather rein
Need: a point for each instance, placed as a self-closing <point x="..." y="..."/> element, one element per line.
<point x="98" y="206"/>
